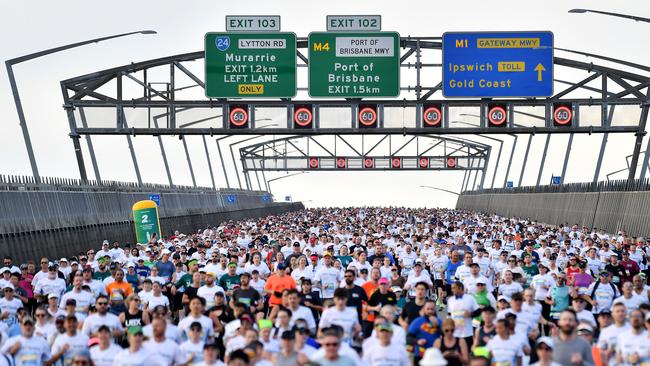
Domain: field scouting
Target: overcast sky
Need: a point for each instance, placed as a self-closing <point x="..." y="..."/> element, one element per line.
<point x="30" y="26"/>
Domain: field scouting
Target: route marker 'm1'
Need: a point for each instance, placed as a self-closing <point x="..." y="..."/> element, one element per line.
<point x="497" y="64"/>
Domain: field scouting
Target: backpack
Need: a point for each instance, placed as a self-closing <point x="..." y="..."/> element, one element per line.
<point x="614" y="288"/>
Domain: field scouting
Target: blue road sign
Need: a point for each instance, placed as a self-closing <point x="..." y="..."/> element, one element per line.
<point x="287" y="198"/>
<point x="266" y="198"/>
<point x="155" y="198"/>
<point x="509" y="184"/>
<point x="231" y="198"/>
<point x="497" y="64"/>
<point x="556" y="180"/>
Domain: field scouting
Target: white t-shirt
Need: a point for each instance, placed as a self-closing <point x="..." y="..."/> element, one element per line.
<point x="167" y="349"/>
<point x="632" y="303"/>
<point x="171" y="332"/>
<point x="11" y="307"/>
<point x="94" y="321"/>
<point x="456" y="308"/>
<point x="33" y="351"/>
<point x="541" y="283"/>
<point x="604" y="295"/>
<point x="46" y="286"/>
<point x="508" y="289"/>
<point x="346" y="319"/>
<point x="192" y="351"/>
<point x="609" y="336"/>
<point x="158" y="300"/>
<point x="207" y="293"/>
<point x="207" y="327"/>
<point x="140" y="358"/>
<point x="297" y="274"/>
<point x="628" y="343"/>
<point x="83" y="299"/>
<point x="525" y="320"/>
<point x="329" y="279"/>
<point x="391" y="355"/>
<point x="77" y="343"/>
<point x="504" y="351"/>
<point x="104" y="357"/>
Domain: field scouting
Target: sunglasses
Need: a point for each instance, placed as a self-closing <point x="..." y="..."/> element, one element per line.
<point x="331" y="344"/>
<point x="40" y="315"/>
<point x="448" y="330"/>
<point x="544" y="348"/>
<point x="102" y="303"/>
<point x="80" y="362"/>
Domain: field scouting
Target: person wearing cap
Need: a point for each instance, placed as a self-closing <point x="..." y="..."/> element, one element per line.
<point x="544" y="351"/>
<point x="68" y="344"/>
<point x="278" y="282"/>
<point x="569" y="349"/>
<point x="381" y="297"/>
<point x="9" y="305"/>
<point x="384" y="351"/>
<point x="136" y="354"/>
<point x="162" y="346"/>
<point x="327" y="279"/>
<point x="26" y="348"/>
<point x="471" y="282"/>
<point x="103" y="271"/>
<point x="288" y="355"/>
<point x="417" y="275"/>
<point x="209" y="289"/>
<point x="50" y="284"/>
<point x="211" y="355"/>
<point x="601" y="294"/>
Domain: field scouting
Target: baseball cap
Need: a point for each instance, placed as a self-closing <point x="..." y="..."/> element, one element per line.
<point x="503" y="298"/>
<point x="586" y="328"/>
<point x="130" y="265"/>
<point x="418" y="261"/>
<point x="547" y="341"/>
<point x="383" y="281"/>
<point x="264" y="323"/>
<point x="280" y="266"/>
<point x="314" y="256"/>
<point x="605" y="312"/>
<point x="8" y="285"/>
<point x="325" y="254"/>
<point x="480" y="281"/>
<point x="26" y="320"/>
<point x="288" y="335"/>
<point x="53" y="295"/>
<point x="384" y="325"/>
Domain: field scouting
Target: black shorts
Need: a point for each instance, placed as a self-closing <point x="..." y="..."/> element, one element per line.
<point x="438" y="284"/>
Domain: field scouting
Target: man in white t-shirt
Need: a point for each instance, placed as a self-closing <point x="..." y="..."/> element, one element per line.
<point x="136" y="354"/>
<point x="327" y="277"/>
<point x="102" y="317"/>
<point x="460" y="307"/>
<point x="341" y="315"/>
<point x="384" y="351"/>
<point x="162" y="346"/>
<point x="26" y="346"/>
<point x="207" y="291"/>
<point x="69" y="343"/>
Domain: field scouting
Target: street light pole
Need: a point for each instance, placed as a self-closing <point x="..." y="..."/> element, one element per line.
<point x="632" y="17"/>
<point x="442" y="190"/>
<point x="19" y="107"/>
<point x="282" y="177"/>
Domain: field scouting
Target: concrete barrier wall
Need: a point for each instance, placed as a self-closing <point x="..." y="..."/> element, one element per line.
<point x="35" y="210"/>
<point x="611" y="211"/>
<point x="68" y="242"/>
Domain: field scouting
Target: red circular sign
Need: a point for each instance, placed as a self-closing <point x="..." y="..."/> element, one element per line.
<point x="313" y="162"/>
<point x="424" y="162"/>
<point x="302" y="117"/>
<point x="367" y="116"/>
<point x="368" y="162"/>
<point x="562" y="115"/>
<point x="238" y="117"/>
<point x="432" y="116"/>
<point x="340" y="162"/>
<point x="451" y="162"/>
<point x="396" y="162"/>
<point x="497" y="115"/>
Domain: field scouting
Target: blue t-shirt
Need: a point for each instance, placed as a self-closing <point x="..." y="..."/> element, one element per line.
<point x="422" y="328"/>
<point x="451" y="270"/>
<point x="165" y="269"/>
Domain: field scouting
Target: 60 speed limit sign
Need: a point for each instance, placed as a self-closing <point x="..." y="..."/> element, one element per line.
<point x="238" y="117"/>
<point x="303" y="117"/>
<point x="367" y="116"/>
<point x="562" y="115"/>
<point x="432" y="116"/>
<point x="497" y="116"/>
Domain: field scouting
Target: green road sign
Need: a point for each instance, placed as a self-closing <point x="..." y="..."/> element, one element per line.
<point x="250" y="65"/>
<point x="145" y="218"/>
<point x="354" y="65"/>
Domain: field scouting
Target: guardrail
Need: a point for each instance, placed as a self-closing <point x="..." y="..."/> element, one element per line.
<point x="622" y="185"/>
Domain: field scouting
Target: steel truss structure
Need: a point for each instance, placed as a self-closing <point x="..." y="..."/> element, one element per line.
<point x="133" y="90"/>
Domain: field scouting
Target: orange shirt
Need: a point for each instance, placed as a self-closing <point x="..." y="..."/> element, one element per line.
<point x="369" y="287"/>
<point x="114" y="288"/>
<point x="276" y="283"/>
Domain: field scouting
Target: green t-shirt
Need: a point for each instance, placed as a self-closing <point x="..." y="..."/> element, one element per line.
<point x="101" y="276"/>
<point x="530" y="272"/>
<point x="345" y="260"/>
<point x="184" y="282"/>
<point x="228" y="282"/>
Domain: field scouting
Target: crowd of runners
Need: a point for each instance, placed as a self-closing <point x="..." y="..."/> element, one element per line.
<point x="338" y="287"/>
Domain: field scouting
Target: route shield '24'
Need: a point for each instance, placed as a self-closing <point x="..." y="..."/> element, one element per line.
<point x="497" y="64"/>
<point x="250" y="65"/>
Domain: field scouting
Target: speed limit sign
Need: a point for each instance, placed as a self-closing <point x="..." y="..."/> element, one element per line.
<point x="432" y="116"/>
<point x="451" y="162"/>
<point x="238" y="117"/>
<point x="497" y="116"/>
<point x="302" y="117"/>
<point x="367" y="116"/>
<point x="562" y="115"/>
<point x="424" y="163"/>
<point x="313" y="163"/>
<point x="396" y="163"/>
<point x="368" y="163"/>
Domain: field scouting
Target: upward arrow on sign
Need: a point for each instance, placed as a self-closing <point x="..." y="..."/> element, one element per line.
<point x="539" y="68"/>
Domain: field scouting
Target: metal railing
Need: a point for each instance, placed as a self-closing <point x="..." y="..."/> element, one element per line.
<point x="622" y="185"/>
